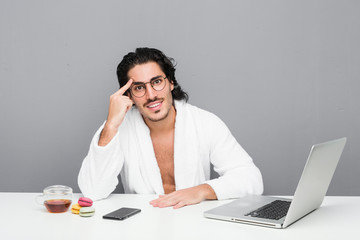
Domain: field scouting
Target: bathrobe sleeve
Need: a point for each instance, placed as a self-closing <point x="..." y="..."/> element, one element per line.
<point x="98" y="176"/>
<point x="238" y="174"/>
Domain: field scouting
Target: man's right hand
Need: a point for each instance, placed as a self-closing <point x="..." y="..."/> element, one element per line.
<point x="118" y="107"/>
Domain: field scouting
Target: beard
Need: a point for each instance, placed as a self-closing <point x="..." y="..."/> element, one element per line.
<point x="159" y="118"/>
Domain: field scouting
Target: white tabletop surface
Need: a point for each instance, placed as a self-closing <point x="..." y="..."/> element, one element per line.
<point x="22" y="218"/>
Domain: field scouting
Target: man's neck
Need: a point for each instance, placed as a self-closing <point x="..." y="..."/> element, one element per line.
<point x="163" y="126"/>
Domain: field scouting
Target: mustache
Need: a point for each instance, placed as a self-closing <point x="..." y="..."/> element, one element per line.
<point x="152" y="100"/>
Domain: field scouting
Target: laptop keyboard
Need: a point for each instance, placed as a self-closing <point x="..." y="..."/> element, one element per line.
<point x="274" y="210"/>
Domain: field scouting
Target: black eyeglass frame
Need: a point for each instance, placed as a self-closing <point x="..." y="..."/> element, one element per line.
<point x="144" y="84"/>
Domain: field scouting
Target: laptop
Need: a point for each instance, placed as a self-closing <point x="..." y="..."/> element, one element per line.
<point x="277" y="212"/>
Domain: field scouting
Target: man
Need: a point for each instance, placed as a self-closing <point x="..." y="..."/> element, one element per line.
<point x="162" y="145"/>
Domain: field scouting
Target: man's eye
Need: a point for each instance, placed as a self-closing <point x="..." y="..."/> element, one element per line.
<point x="138" y="88"/>
<point x="157" y="82"/>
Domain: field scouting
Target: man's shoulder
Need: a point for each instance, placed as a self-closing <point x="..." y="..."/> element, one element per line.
<point x="208" y="125"/>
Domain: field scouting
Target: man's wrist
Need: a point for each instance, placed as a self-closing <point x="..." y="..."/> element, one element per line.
<point x="109" y="126"/>
<point x="208" y="192"/>
<point x="107" y="134"/>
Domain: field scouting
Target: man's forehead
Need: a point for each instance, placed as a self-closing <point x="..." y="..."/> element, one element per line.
<point x="145" y="72"/>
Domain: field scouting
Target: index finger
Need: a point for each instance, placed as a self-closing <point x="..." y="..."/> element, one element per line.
<point x="124" y="88"/>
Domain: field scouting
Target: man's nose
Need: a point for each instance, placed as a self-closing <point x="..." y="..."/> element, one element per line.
<point x="150" y="91"/>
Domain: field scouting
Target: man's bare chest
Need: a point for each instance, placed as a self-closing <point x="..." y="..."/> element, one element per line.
<point x="164" y="153"/>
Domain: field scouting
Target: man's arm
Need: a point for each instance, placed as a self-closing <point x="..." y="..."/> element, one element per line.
<point x="118" y="107"/>
<point x="98" y="173"/>
<point x="239" y="176"/>
<point x="184" y="197"/>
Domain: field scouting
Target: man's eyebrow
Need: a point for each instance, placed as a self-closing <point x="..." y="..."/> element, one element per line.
<point x="153" y="78"/>
<point x="137" y="83"/>
<point x="159" y="76"/>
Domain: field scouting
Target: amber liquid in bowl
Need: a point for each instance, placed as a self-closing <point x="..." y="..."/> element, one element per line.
<point x="57" y="205"/>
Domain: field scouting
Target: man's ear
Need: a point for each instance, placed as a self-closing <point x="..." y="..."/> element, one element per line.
<point x="172" y="85"/>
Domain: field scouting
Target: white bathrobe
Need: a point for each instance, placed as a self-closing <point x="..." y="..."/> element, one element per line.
<point x="201" y="138"/>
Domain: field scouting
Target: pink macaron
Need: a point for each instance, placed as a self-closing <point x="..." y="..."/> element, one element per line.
<point x="85" y="202"/>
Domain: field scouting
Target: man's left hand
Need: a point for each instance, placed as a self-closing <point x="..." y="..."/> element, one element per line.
<point x="184" y="197"/>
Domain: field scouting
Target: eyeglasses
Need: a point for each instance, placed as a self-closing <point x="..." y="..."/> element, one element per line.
<point x="138" y="89"/>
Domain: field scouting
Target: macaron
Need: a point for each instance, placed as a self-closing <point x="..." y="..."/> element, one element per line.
<point x="75" y="208"/>
<point x="85" y="202"/>
<point x="87" y="211"/>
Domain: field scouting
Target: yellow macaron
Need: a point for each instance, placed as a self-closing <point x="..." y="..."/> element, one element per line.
<point x="75" y="208"/>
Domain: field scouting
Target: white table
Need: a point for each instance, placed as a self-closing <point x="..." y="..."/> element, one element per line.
<point x="22" y="218"/>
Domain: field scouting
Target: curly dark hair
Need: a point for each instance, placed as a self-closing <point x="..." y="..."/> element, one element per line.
<point x="145" y="55"/>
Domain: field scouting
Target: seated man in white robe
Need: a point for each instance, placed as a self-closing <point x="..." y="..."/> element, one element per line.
<point x="160" y="144"/>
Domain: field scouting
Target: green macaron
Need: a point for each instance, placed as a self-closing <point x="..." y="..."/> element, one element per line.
<point x="87" y="211"/>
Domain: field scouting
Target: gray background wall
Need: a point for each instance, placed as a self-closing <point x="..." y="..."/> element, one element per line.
<point x="283" y="75"/>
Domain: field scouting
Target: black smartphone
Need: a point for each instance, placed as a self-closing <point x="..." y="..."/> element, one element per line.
<point x="122" y="213"/>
